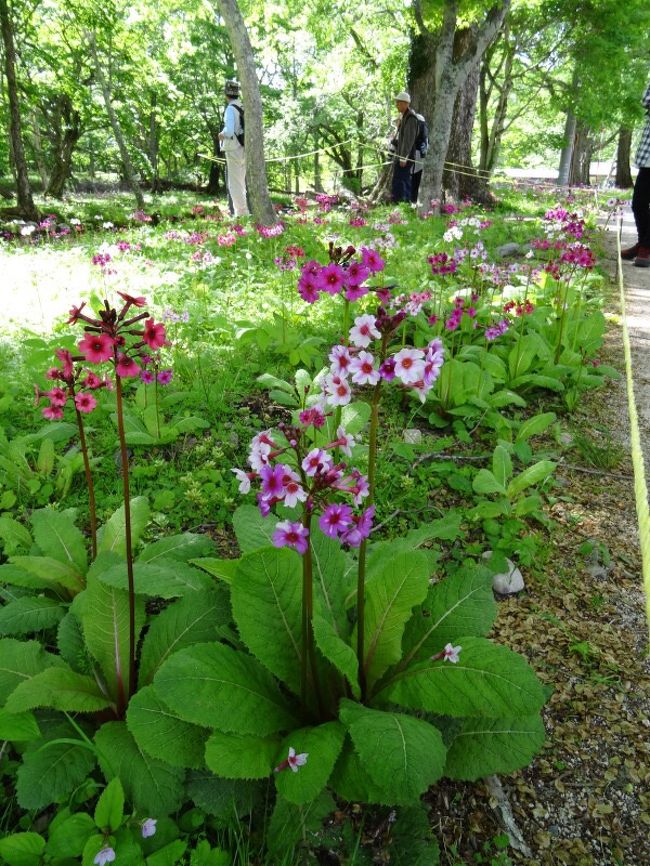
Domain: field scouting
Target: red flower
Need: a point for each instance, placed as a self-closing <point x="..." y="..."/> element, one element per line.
<point x="57" y="396"/>
<point x="75" y="313"/>
<point x="92" y="381"/>
<point x="136" y="302"/>
<point x="85" y="402"/>
<point x="52" y="413"/>
<point x="154" y="335"/>
<point x="126" y="367"/>
<point x="66" y="359"/>
<point x="96" y="348"/>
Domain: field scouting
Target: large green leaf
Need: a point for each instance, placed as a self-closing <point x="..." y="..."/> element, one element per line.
<point x="104" y="614"/>
<point x="290" y="824"/>
<point x="241" y="757"/>
<point x="459" y="605"/>
<point x="160" y="578"/>
<point x="68" y="838"/>
<point x="337" y="651"/>
<point x="154" y="787"/>
<point x="197" y="618"/>
<point x="501" y="465"/>
<point x="351" y="781"/>
<point x="179" y="547"/>
<point x="161" y="733"/>
<point x="488" y="680"/>
<point x="22" y="849"/>
<point x="19" y="661"/>
<point x="323" y="745"/>
<point x="50" y="571"/>
<point x="252" y="530"/>
<point x="223" y="569"/>
<point x="485" y="483"/>
<point x="486" y="746"/>
<point x="111" y="537"/>
<point x="109" y="810"/>
<point x="18" y="727"/>
<point x="60" y="688"/>
<point x="534" y="426"/>
<point x="333" y="573"/>
<point x="266" y="602"/>
<point x="15" y="575"/>
<point x="58" y="537"/>
<point x="445" y="528"/>
<point x="401" y="754"/>
<point x="71" y="645"/>
<point x="29" y="614"/>
<point x="534" y="474"/>
<point x="14" y="535"/>
<point x="216" y="686"/>
<point x="225" y="798"/>
<point x="390" y="598"/>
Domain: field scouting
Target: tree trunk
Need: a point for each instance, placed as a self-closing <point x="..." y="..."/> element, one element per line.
<point x="566" y="157"/>
<point x="318" y="179"/>
<point x="623" y="173"/>
<point x="216" y="168"/>
<point x="26" y="207"/>
<point x="64" y="146"/>
<point x="581" y="158"/>
<point x="37" y="145"/>
<point x="127" y="165"/>
<point x="436" y="77"/>
<point x="258" y="187"/>
<point x="491" y="135"/>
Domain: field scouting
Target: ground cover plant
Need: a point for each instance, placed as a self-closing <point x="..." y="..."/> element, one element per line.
<point x="235" y="674"/>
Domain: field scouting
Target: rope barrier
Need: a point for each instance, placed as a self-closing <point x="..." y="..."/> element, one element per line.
<point x="640" y="486"/>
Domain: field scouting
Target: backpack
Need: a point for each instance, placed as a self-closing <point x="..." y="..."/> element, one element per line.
<point x="422" y="140"/>
<point x="240" y="136"/>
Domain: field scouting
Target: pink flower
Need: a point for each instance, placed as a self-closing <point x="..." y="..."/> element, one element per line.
<point x="154" y="334"/>
<point x="354" y="292"/>
<point x="363" y="370"/>
<point x="372" y="260"/>
<point x="147" y="377"/>
<point x="291" y="534"/>
<point x="293" y="761"/>
<point x="53" y="413"/>
<point x="448" y="654"/>
<point x="132" y="301"/>
<point x="356" y="274"/>
<point x="409" y="365"/>
<point x="338" y="390"/>
<point x="314" y="416"/>
<point x="165" y="376"/>
<point x="335" y="519"/>
<point x="244" y="480"/>
<point x="126" y="367"/>
<point x="364" y="331"/>
<point x="85" y="402"/>
<point x="332" y="278"/>
<point x="272" y="481"/>
<point x="57" y="396"/>
<point x="66" y="360"/>
<point x="360" y="528"/>
<point x="96" y="348"/>
<point x="293" y="490"/>
<point x="317" y="462"/>
<point x="344" y="441"/>
<point x="387" y="370"/>
<point x="92" y="381"/>
<point x="341" y="359"/>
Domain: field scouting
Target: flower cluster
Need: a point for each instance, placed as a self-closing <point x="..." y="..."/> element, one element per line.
<point x="288" y="261"/>
<point x="342" y="274"/>
<point x="72" y="376"/>
<point x="326" y="202"/>
<point x="459" y="310"/>
<point x="495" y="331"/>
<point x="442" y="264"/>
<point x="270" y="231"/>
<point x="520" y="309"/>
<point x="579" y="255"/>
<point x="139" y="216"/>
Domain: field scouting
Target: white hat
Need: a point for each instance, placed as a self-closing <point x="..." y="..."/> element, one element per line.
<point x="403" y="96"/>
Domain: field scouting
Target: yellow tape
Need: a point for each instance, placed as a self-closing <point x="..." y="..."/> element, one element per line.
<point x="640" y="486"/>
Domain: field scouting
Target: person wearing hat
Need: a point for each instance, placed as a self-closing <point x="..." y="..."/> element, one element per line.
<point x="405" y="139"/>
<point x="232" y="144"/>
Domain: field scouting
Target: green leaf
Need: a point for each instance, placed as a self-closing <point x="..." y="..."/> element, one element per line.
<point x="216" y="686"/>
<point x="266" y="380"/>
<point x="290" y="824"/>
<point x="22" y="849"/>
<point x="226" y="798"/>
<point x="488" y="680"/>
<point x="104" y="615"/>
<point x="323" y="745"/>
<point x="224" y="569"/>
<point x="58" y="537"/>
<point x="14" y="535"/>
<point x="18" y="727"/>
<point x="169" y="855"/>
<point x="112" y="536"/>
<point x="181" y="547"/>
<point x="109" y="810"/>
<point x="50" y="770"/>
<point x="71" y="646"/>
<point x="522" y="355"/>
<point x="390" y="598"/>
<point x="549" y="382"/>
<point x="50" y="571"/>
<point x="355" y="416"/>
<point x="161" y="733"/>
<point x="60" y="688"/>
<point x="501" y="465"/>
<point x="266" y="602"/>
<point x="455" y="606"/>
<point x="151" y="785"/>
<point x="506" y="398"/>
<point x="19" y="661"/>
<point x="45" y="459"/>
<point x="486" y="746"/>
<point x="485" y="483"/>
<point x="238" y="757"/>
<point x="29" y="614"/>
<point x="401" y="754"/>
<point x="337" y="651"/>
<point x="69" y="838"/>
<point x="351" y="781"/>
<point x="161" y="579"/>
<point x="197" y="618"/>
<point x="535" y="425"/>
<point x="412" y="841"/>
<point x="534" y="474"/>
<point x="333" y="580"/>
<point x="14" y="575"/>
<point x="252" y="530"/>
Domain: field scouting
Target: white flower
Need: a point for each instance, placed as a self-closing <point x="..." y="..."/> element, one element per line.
<point x="364" y="331"/>
<point x="451" y="653"/>
<point x="409" y="365"/>
<point x="346" y="441"/>
<point x="244" y="480"/>
<point x="337" y="390"/>
<point x="108" y="225"/>
<point x="75" y="222"/>
<point x="27" y="230"/>
<point x="296" y="761"/>
<point x="363" y="370"/>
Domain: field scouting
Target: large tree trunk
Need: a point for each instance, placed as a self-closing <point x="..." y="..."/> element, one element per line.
<point x="127" y="165"/>
<point x="491" y="135"/>
<point x="436" y="77"/>
<point x="460" y="179"/>
<point x="258" y="187"/>
<point x="26" y="207"/>
<point x="65" y="141"/>
<point x="581" y="158"/>
<point x="566" y="157"/>
<point x="623" y="149"/>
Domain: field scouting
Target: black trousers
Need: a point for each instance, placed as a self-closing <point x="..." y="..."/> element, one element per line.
<point x="641" y="206"/>
<point x="416" y="177"/>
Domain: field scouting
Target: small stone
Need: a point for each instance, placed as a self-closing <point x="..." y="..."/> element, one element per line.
<point x="412" y="436"/>
<point x="507" y="583"/>
<point x="511" y="249"/>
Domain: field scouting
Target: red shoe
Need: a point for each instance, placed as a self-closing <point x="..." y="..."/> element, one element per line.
<point x="642" y="259"/>
<point x="630" y="253"/>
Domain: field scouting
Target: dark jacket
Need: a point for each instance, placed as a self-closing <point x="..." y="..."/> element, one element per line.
<point x="406" y="135"/>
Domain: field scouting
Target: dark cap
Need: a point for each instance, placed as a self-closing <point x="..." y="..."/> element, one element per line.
<point x="231" y="87"/>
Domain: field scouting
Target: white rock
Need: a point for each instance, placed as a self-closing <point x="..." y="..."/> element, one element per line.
<point x="413" y="436"/>
<point x="507" y="583"/>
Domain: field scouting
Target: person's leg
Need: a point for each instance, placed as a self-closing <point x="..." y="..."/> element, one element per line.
<point x="401" y="183"/>
<point x="237" y="181"/>
<point x="416" y="177"/>
<point x="641" y="210"/>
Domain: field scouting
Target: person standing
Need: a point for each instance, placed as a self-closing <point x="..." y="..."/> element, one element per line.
<point x="640" y="252"/>
<point x="232" y="144"/>
<point x="407" y="134"/>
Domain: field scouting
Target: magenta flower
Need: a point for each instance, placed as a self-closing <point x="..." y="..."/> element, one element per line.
<point x="106" y="855"/>
<point x="332" y="278"/>
<point x="387" y="370"/>
<point x="290" y="533"/>
<point x="165" y="376"/>
<point x="148" y="827"/>
<point x="147" y="377"/>
<point x="57" y="396"/>
<point x="360" y="528"/>
<point x="96" y="348"/>
<point x="356" y="274"/>
<point x="126" y="367"/>
<point x="314" y="416"/>
<point x="133" y="301"/>
<point x="335" y="519"/>
<point x="154" y="334"/>
<point x="85" y="402"/>
<point x="66" y="360"/>
<point x="272" y="481"/>
<point x="317" y="462"/>
<point x="292" y="761"/>
<point x="372" y="260"/>
<point x="92" y="381"/>
<point x="53" y="413"/>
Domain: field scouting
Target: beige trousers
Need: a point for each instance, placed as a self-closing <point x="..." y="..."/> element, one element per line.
<point x="236" y="165"/>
